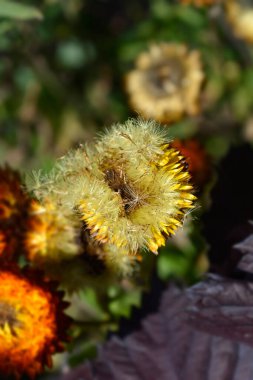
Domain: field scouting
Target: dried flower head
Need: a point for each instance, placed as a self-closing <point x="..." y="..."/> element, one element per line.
<point x="166" y="82"/>
<point x="131" y="190"/>
<point x="32" y="323"/>
<point x="139" y="190"/>
<point x="14" y="204"/>
<point x="240" y="16"/>
<point x="51" y="232"/>
<point x="197" y="159"/>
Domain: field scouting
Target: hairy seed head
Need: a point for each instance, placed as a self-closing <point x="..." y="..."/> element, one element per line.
<point x="131" y="189"/>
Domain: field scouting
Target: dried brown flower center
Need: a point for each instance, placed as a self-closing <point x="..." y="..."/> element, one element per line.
<point x="8" y="316"/>
<point x="117" y="181"/>
<point x="167" y="77"/>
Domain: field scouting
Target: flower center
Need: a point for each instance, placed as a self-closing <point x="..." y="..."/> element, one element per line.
<point x="117" y="181"/>
<point x="8" y="316"/>
<point x="166" y="78"/>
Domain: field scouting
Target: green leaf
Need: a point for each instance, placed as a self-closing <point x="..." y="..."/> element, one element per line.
<point x="15" y="10"/>
<point x="74" y="54"/>
<point x="87" y="350"/>
<point x="90" y="296"/>
<point x="123" y="304"/>
<point x="172" y="264"/>
<point x="5" y="26"/>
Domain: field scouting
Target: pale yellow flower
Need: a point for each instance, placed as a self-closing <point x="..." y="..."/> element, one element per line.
<point x="240" y="16"/>
<point x="166" y="82"/>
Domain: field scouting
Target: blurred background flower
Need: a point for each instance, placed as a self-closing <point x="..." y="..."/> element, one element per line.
<point x="197" y="159"/>
<point x="240" y="16"/>
<point x="200" y="3"/>
<point x="166" y="83"/>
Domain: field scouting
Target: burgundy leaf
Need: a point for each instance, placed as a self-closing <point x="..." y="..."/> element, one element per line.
<point x="223" y="307"/>
<point x="246" y="247"/>
<point x="169" y="348"/>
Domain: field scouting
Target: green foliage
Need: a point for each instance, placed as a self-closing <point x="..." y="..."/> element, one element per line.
<point x="184" y="257"/>
<point x="11" y="9"/>
<point x="121" y="303"/>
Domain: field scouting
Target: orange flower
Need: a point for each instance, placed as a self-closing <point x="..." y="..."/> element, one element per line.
<point x="13" y="212"/>
<point x="197" y="159"/>
<point x="3" y="243"/>
<point x="32" y="323"/>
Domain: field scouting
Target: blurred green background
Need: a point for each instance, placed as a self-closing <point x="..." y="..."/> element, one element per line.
<point x="62" y="75"/>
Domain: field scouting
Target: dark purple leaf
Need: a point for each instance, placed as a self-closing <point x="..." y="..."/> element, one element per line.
<point x="246" y="248"/>
<point x="203" y="333"/>
<point x="169" y="348"/>
<point x="223" y="307"/>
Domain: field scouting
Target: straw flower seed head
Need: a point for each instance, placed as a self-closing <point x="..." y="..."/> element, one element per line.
<point x="139" y="190"/>
<point x="131" y="189"/>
